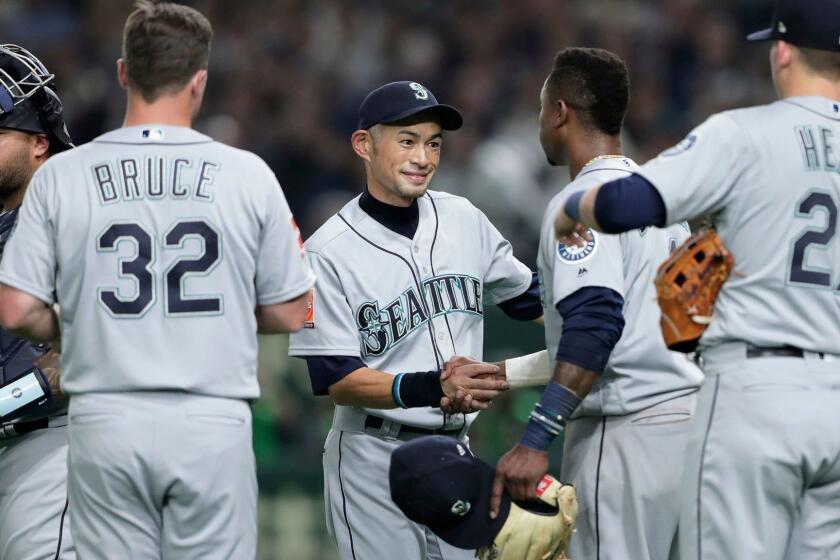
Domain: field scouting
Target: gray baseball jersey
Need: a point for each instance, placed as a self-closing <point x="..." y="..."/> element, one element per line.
<point x="401" y="305"/>
<point x="159" y="243"/>
<point x="765" y="437"/>
<point x="641" y="371"/>
<point x="775" y="206"/>
<point x="406" y="305"/>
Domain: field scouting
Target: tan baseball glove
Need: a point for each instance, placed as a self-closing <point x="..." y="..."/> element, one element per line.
<point x="538" y="533"/>
<point x="687" y="285"/>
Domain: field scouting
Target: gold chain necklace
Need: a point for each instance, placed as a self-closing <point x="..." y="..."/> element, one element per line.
<point x="605" y="156"/>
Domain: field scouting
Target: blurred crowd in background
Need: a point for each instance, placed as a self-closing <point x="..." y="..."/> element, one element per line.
<point x="286" y="80"/>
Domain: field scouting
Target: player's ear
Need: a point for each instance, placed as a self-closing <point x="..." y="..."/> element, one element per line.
<point x="362" y="142"/>
<point x="561" y="113"/>
<point x="40" y="146"/>
<point x="123" y="79"/>
<point x="198" y="83"/>
<point x="783" y="54"/>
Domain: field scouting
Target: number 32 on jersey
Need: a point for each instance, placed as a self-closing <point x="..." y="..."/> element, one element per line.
<point x="137" y="267"/>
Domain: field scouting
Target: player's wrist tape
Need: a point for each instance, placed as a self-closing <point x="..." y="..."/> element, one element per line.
<point x="527" y="371"/>
<point x="572" y="206"/>
<point x="421" y="388"/>
<point x="549" y="416"/>
<point x="26" y="393"/>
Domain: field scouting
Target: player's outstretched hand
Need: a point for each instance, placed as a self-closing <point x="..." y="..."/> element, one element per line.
<point x="570" y="232"/>
<point x="469" y="385"/>
<point x="519" y="471"/>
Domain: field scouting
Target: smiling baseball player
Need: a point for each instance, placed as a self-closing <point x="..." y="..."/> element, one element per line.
<point x="762" y="479"/>
<point x="404" y="276"/>
<point x="34" y="516"/>
<point x="167" y="251"/>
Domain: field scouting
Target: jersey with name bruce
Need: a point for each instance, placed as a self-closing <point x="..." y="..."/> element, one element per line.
<point x="154" y="178"/>
<point x="381" y="327"/>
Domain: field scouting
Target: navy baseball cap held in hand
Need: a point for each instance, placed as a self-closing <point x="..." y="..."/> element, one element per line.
<point x="398" y="101"/>
<point x="813" y="24"/>
<point x="437" y="482"/>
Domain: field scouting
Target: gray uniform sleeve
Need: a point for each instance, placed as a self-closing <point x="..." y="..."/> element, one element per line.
<point x="696" y="176"/>
<point x="331" y="330"/>
<point x="505" y="277"/>
<point x="282" y="271"/>
<point x="29" y="257"/>
<point x="599" y="264"/>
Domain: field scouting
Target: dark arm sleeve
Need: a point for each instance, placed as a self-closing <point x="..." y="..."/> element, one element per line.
<point x="592" y="324"/>
<point x="326" y="370"/>
<point x="629" y="203"/>
<point x="526" y="306"/>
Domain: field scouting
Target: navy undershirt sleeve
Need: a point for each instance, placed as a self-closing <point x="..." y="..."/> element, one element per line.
<point x="592" y="324"/>
<point x="527" y="305"/>
<point x="326" y="370"/>
<point x="629" y="203"/>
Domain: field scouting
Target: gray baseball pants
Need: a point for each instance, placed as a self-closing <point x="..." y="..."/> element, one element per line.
<point x="627" y="472"/>
<point x="762" y="480"/>
<point x="34" y="517"/>
<point x="162" y="476"/>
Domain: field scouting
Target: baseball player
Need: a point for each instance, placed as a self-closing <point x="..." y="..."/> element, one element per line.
<point x="762" y="478"/>
<point x="167" y="251"/>
<point x="34" y="517"/>
<point x="624" y="398"/>
<point x="404" y="274"/>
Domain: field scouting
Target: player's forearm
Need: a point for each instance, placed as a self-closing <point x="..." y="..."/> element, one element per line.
<point x="27" y="317"/>
<point x="283" y="317"/>
<point x="620" y="205"/>
<point x="366" y="388"/>
<point x="575" y="378"/>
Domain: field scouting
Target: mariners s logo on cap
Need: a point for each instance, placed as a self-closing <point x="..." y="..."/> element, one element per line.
<point x="419" y="91"/>
<point x="572" y="254"/>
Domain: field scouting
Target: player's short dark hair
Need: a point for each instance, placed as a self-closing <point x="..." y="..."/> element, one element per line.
<point x="822" y="62"/>
<point x="595" y="83"/>
<point x="164" y="45"/>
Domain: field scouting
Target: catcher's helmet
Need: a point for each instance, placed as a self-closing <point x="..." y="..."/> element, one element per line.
<point x="27" y="98"/>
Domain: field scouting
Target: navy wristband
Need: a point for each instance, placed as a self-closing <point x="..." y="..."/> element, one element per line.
<point x="549" y="416"/>
<point x="572" y="206"/>
<point x="422" y="388"/>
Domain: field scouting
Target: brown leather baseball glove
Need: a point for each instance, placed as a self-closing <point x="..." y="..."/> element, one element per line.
<point x="687" y="285"/>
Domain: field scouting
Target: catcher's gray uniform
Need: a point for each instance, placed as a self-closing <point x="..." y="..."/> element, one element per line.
<point x="624" y="447"/>
<point x="763" y="476"/>
<point x="33" y="495"/>
<point x="401" y="305"/>
<point x="159" y="243"/>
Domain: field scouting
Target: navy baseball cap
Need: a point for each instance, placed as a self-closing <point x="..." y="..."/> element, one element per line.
<point x="397" y="101"/>
<point x="437" y="482"/>
<point x="813" y="24"/>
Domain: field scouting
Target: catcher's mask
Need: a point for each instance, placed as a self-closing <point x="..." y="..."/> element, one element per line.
<point x="436" y="481"/>
<point x="27" y="98"/>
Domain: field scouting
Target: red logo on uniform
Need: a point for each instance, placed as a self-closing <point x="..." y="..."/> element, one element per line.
<point x="309" y="322"/>
<point x="543" y="485"/>
<point x="296" y="231"/>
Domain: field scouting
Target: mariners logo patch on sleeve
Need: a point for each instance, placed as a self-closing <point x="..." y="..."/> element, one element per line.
<point x="571" y="254"/>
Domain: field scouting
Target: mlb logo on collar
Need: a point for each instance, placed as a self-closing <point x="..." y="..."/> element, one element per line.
<point x="152" y="134"/>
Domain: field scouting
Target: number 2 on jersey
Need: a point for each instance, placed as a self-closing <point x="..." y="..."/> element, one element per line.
<point x="814" y="202"/>
<point x="176" y="302"/>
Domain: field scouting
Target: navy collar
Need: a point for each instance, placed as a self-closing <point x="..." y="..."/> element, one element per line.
<point x="399" y="219"/>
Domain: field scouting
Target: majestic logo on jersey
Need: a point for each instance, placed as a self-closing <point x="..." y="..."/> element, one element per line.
<point x="382" y="327"/>
<point x="684" y="145"/>
<point x="572" y="254"/>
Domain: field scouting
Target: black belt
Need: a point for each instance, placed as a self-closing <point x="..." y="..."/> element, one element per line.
<point x="375" y="422"/>
<point x="777" y="351"/>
